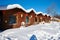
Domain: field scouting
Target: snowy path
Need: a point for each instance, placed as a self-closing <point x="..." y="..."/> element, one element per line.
<point x="42" y="31"/>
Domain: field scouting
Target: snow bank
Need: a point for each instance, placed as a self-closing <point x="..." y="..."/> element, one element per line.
<point x="46" y="31"/>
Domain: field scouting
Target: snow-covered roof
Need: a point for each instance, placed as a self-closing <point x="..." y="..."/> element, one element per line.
<point x="19" y="6"/>
<point x="12" y="6"/>
<point x="46" y="14"/>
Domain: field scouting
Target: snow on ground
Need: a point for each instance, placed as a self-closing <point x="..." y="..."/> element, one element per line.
<point x="46" y="31"/>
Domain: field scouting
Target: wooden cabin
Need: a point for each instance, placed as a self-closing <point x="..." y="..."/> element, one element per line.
<point x="32" y="17"/>
<point x="46" y="18"/>
<point x="15" y="18"/>
<point x="12" y="18"/>
<point x="40" y="17"/>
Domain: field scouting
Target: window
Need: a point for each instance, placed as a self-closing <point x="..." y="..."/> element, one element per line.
<point x="12" y="19"/>
<point x="27" y="19"/>
<point x="35" y="19"/>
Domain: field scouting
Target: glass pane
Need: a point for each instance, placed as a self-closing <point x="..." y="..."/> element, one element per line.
<point x="27" y="19"/>
<point x="12" y="19"/>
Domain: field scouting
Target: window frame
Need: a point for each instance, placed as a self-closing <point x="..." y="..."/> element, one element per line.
<point x="14" y="20"/>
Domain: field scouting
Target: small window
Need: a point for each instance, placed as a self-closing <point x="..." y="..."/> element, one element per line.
<point x="12" y="19"/>
<point x="27" y="19"/>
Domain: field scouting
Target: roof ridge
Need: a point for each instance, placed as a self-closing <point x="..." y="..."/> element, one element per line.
<point x="19" y="6"/>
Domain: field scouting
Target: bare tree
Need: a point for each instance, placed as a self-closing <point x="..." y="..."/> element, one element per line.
<point x="51" y="10"/>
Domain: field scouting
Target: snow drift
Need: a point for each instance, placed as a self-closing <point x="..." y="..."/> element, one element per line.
<point x="46" y="31"/>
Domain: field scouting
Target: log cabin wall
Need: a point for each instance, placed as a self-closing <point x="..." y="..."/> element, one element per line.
<point x="48" y="18"/>
<point x="40" y="17"/>
<point x="37" y="16"/>
<point x="15" y="18"/>
<point x="14" y="13"/>
<point x="32" y="17"/>
<point x="45" y="18"/>
<point x="5" y="20"/>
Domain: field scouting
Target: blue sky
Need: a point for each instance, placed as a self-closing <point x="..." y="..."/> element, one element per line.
<point x="38" y="5"/>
